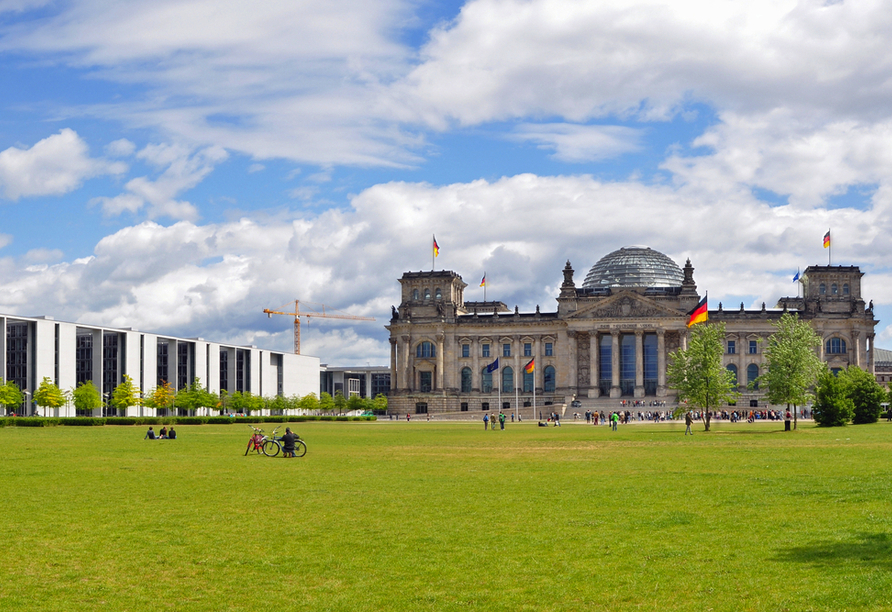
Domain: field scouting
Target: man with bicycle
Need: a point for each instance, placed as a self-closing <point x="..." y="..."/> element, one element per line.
<point x="288" y="441"/>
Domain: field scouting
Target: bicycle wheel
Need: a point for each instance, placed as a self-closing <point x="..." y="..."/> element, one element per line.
<point x="300" y="448"/>
<point x="271" y="448"/>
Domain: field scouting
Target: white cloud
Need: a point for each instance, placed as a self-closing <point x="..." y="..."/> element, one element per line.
<point x="5" y="239"/>
<point x="55" y="165"/>
<point x="580" y="143"/>
<point x="214" y="280"/>
<point x="183" y="169"/>
<point x="120" y="148"/>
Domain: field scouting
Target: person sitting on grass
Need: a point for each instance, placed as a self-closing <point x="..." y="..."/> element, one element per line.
<point x="172" y="434"/>
<point x="288" y="443"/>
<point x="163" y="433"/>
<point x="150" y="434"/>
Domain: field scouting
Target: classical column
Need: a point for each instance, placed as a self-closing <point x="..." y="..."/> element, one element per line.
<point x="408" y="383"/>
<point x="856" y="336"/>
<point x="572" y="364"/>
<point x="475" y="364"/>
<point x="639" y="363"/>
<point x="615" y="390"/>
<point x="393" y="375"/>
<point x="871" y="367"/>
<point x="515" y="367"/>
<point x="594" y="390"/>
<point x="440" y="373"/>
<point x="661" y="362"/>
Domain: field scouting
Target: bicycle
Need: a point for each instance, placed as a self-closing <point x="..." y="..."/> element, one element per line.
<point x="261" y="443"/>
<point x="300" y="447"/>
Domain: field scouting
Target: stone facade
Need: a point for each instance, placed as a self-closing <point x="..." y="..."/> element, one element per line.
<point x="603" y="344"/>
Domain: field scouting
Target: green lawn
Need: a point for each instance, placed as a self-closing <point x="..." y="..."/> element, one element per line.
<point x="445" y="516"/>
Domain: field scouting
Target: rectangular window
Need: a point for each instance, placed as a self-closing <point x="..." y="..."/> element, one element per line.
<point x="753" y="347"/>
<point x="426" y="380"/>
<point x="506" y="406"/>
<point x="506" y="350"/>
<point x="465" y="350"/>
<point x="549" y="349"/>
<point x="732" y="347"/>
<point x="486" y="350"/>
<point x="421" y="408"/>
<point x="484" y="406"/>
<point x="464" y="406"/>
<point x="528" y="349"/>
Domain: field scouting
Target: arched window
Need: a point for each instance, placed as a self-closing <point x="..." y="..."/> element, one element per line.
<point x="466" y="380"/>
<point x="427" y="294"/>
<point x="822" y="289"/>
<point x="438" y="294"/>
<point x="507" y="379"/>
<point x="425" y="350"/>
<point x="845" y="289"/>
<point x="527" y="382"/>
<point x="836" y="346"/>
<point x="415" y="294"/>
<point x="752" y="373"/>
<point x="733" y="369"/>
<point x="834" y="290"/>
<point x="548" y="373"/>
<point x="485" y="381"/>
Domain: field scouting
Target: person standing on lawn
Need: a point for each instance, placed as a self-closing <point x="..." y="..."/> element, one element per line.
<point x="501" y="420"/>
<point x="688" y="421"/>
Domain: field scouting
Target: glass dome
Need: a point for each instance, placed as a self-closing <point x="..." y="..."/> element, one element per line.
<point x="634" y="266"/>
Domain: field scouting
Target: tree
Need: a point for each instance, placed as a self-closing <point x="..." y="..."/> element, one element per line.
<point x="10" y="395"/>
<point x="380" y="404"/>
<point x="355" y="403"/>
<point x="833" y="406"/>
<point x="326" y="403"/>
<point x="309" y="402"/>
<point x="161" y="397"/>
<point x="866" y="394"/>
<point x="48" y="395"/>
<point x="792" y="363"/>
<point x="125" y="395"/>
<point x="697" y="373"/>
<point x="340" y="402"/>
<point x="195" y="396"/>
<point x="86" y="397"/>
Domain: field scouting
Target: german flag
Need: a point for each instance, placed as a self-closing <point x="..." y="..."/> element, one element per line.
<point x="436" y="248"/>
<point x="699" y="314"/>
<point x="528" y="368"/>
<point x="827" y="240"/>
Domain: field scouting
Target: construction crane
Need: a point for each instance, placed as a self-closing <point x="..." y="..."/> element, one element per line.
<point x="297" y="314"/>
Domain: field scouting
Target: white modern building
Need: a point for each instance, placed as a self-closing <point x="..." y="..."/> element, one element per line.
<point x="32" y="348"/>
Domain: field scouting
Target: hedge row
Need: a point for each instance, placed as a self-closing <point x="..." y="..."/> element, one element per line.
<point x="214" y="420"/>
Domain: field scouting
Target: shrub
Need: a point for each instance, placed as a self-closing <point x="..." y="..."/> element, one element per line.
<point x="123" y="421"/>
<point x="220" y="420"/>
<point x="833" y="407"/>
<point x="191" y="420"/>
<point x="81" y="421"/>
<point x="33" y="422"/>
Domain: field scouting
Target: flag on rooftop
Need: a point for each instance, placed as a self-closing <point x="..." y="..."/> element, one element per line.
<point x="483" y="282"/>
<point x="699" y="314"/>
<point x="528" y="368"/>
<point x="827" y="240"/>
<point x="436" y="247"/>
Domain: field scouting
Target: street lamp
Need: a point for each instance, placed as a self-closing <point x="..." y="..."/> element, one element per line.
<point x="28" y="404"/>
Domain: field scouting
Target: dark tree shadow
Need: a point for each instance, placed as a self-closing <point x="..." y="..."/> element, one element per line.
<point x="865" y="549"/>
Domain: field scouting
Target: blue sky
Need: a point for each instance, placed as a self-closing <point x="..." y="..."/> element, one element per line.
<point x="177" y="166"/>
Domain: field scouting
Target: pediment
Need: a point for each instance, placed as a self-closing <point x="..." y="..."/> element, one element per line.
<point x="625" y="305"/>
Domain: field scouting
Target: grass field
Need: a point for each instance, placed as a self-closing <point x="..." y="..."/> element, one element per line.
<point x="445" y="516"/>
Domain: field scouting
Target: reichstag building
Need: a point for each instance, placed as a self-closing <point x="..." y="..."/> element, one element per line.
<point x="608" y="341"/>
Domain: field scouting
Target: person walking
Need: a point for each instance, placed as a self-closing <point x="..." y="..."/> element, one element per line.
<point x="501" y="420"/>
<point x="614" y="418"/>
<point x="485" y="421"/>
<point x="688" y="421"/>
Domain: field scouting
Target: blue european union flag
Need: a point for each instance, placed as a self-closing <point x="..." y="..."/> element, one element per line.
<point x="493" y="366"/>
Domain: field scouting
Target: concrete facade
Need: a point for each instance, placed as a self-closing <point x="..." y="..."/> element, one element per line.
<point x="32" y="348"/>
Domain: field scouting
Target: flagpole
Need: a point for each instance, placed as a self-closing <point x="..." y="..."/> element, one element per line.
<point x="433" y="251"/>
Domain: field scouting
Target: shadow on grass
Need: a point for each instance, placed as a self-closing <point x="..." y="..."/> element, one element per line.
<point x="866" y="549"/>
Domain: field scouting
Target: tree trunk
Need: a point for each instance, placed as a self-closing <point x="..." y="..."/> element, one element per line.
<point x="706" y="419"/>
